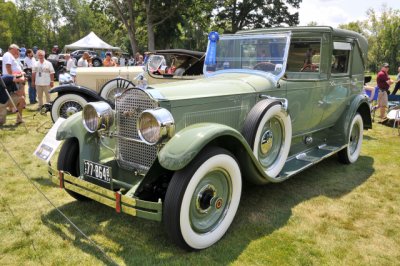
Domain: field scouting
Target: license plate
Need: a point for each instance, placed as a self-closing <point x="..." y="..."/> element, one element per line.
<point x="97" y="171"/>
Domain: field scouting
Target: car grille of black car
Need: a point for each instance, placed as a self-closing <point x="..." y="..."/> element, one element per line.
<point x="133" y="155"/>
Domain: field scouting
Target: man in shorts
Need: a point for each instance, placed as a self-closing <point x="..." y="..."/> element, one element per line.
<point x="10" y="81"/>
<point x="383" y="81"/>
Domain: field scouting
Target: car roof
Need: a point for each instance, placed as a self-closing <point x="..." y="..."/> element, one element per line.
<point x="341" y="33"/>
<point x="181" y="52"/>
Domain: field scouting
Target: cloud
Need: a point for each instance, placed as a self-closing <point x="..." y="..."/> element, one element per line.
<point x="332" y="12"/>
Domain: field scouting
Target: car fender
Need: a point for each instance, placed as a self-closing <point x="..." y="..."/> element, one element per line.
<point x="183" y="147"/>
<point x="89" y="94"/>
<point x="72" y="127"/>
<point x="358" y="104"/>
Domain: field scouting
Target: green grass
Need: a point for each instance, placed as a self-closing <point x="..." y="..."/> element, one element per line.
<point x="330" y="214"/>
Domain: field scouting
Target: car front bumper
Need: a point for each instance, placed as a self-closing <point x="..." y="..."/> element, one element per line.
<point x="122" y="203"/>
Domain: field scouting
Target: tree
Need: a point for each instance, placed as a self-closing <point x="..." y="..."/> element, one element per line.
<point x="8" y="23"/>
<point x="234" y="15"/>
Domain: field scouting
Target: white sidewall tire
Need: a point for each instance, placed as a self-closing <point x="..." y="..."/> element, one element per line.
<point x="60" y="101"/>
<point x="275" y="111"/>
<point x="357" y="120"/>
<point x="201" y="241"/>
<point x="111" y="85"/>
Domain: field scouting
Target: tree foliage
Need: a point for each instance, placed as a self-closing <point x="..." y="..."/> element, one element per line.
<point x="136" y="25"/>
<point x="234" y="15"/>
<point x="382" y="29"/>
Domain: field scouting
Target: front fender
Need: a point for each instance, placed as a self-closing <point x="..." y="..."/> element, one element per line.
<point x="72" y="128"/>
<point x="89" y="147"/>
<point x="89" y="94"/>
<point x="186" y="144"/>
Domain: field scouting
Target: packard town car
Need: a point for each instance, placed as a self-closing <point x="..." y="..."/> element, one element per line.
<point x="273" y="102"/>
<point x="101" y="83"/>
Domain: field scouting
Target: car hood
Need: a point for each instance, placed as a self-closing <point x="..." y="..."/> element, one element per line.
<point x="219" y="85"/>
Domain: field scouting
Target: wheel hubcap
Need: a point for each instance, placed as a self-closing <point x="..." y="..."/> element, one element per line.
<point x="210" y="201"/>
<point x="354" y="137"/>
<point x="271" y="142"/>
<point x="69" y="108"/>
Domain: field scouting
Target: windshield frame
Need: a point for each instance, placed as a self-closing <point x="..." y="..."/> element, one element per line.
<point x="228" y="37"/>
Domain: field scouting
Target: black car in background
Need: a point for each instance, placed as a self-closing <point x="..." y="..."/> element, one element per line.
<point x="58" y="62"/>
<point x="96" y="59"/>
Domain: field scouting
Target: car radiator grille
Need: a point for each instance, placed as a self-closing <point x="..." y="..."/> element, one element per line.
<point x="133" y="155"/>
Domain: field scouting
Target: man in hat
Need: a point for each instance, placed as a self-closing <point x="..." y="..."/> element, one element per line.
<point x="383" y="81"/>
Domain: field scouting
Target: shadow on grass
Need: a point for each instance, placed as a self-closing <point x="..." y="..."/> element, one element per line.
<point x="366" y="137"/>
<point x="262" y="211"/>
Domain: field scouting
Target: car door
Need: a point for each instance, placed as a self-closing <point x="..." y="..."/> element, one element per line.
<point x="338" y="90"/>
<point x="306" y="75"/>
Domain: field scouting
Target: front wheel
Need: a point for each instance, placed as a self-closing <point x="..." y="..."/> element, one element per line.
<point x="115" y="87"/>
<point x="202" y="199"/>
<point x="351" y="153"/>
<point x="68" y="161"/>
<point x="67" y="105"/>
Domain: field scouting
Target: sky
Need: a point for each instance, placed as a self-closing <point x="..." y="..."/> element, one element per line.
<point x="335" y="12"/>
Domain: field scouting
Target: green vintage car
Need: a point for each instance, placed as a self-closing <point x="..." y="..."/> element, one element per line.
<point x="273" y="102"/>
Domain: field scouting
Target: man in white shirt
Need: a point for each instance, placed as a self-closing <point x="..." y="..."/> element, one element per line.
<point x="10" y="60"/>
<point x="29" y="62"/>
<point x="83" y="61"/>
<point x="42" y="77"/>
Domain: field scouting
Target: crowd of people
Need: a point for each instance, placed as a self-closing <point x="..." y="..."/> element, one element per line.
<point x="39" y="73"/>
<point x="110" y="61"/>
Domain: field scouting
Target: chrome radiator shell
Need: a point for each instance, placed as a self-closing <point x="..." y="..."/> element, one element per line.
<point x="133" y="155"/>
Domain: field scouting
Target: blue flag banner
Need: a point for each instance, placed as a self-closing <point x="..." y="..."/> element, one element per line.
<point x="213" y="37"/>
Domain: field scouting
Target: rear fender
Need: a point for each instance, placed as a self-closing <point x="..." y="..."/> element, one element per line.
<point x="358" y="105"/>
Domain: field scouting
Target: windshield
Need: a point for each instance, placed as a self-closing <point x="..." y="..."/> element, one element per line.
<point x="259" y="54"/>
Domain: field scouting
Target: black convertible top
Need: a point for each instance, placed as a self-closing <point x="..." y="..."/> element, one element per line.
<point x="180" y="51"/>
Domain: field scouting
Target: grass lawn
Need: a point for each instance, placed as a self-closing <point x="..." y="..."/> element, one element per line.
<point x="330" y="214"/>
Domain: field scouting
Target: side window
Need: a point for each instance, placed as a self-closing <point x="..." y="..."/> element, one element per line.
<point x="340" y="57"/>
<point x="304" y="56"/>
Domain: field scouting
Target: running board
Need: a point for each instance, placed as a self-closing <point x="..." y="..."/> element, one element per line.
<point x="304" y="160"/>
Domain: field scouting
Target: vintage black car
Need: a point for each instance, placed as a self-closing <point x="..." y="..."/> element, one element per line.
<point x="96" y="59"/>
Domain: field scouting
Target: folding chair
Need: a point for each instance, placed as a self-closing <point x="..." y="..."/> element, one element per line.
<point x="372" y="101"/>
<point x="394" y="110"/>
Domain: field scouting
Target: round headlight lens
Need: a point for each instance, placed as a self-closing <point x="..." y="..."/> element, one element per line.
<point x="97" y="116"/>
<point x="154" y="125"/>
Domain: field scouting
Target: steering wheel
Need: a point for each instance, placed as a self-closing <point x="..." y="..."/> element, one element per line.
<point x="265" y="66"/>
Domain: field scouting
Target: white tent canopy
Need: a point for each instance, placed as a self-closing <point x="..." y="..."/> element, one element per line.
<point x="90" y="41"/>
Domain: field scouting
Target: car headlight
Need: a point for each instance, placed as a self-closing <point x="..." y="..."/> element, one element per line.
<point x="97" y="116"/>
<point x="154" y="125"/>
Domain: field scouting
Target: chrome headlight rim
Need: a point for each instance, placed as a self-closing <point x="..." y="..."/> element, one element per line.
<point x="165" y="123"/>
<point x="97" y="116"/>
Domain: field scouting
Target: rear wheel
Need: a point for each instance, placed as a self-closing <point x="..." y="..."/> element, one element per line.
<point x="68" y="161"/>
<point x="97" y="63"/>
<point x="202" y="199"/>
<point x="351" y="153"/>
